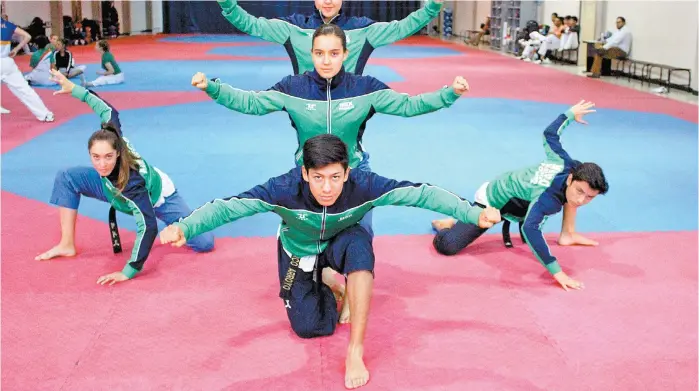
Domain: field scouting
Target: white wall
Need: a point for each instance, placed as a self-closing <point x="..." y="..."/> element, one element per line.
<point x="87" y="9"/>
<point x="562" y="7"/>
<point x="469" y="14"/>
<point x="157" y="16"/>
<point x="66" y="8"/>
<point x="21" y="13"/>
<point x="138" y="16"/>
<point x="648" y="21"/>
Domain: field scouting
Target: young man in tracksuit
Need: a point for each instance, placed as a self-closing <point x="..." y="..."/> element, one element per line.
<point x="330" y="99"/>
<point x="529" y="196"/>
<point x="320" y="204"/>
<point x="295" y="31"/>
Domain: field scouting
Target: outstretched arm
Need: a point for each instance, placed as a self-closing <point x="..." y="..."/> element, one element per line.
<point x="221" y="211"/>
<point x="552" y="135"/>
<point x="107" y="113"/>
<point x="385" y="33"/>
<point x="246" y="102"/>
<point x="388" y="101"/>
<point x="272" y="30"/>
<point x="390" y="192"/>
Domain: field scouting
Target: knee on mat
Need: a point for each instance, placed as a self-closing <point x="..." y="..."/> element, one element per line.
<point x="307" y="328"/>
<point x="203" y="243"/>
<point x="444" y="246"/>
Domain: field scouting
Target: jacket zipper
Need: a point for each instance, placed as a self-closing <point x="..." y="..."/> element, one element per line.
<point x="329" y="107"/>
<point x="322" y="225"/>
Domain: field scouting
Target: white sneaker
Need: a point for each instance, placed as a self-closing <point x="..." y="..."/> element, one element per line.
<point x="546" y="61"/>
<point x="527" y="59"/>
<point x="49" y="118"/>
<point x="4" y="110"/>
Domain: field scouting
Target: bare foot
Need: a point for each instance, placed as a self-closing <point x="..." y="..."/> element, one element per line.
<point x="356" y="374"/>
<point x="574" y="239"/>
<point x="345" y="313"/>
<point x="57" y="251"/>
<point x="443" y="224"/>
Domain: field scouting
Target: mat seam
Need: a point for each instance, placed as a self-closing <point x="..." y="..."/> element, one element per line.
<point x="93" y="340"/>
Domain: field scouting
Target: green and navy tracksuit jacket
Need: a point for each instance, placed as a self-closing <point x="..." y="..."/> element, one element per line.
<point x="533" y="194"/>
<point x="141" y="192"/>
<point x="295" y="32"/>
<point x="306" y="226"/>
<point x="340" y="106"/>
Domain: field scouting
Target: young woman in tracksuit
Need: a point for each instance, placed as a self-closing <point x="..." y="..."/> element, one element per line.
<point x="331" y="100"/>
<point x="121" y="177"/>
<point x="363" y="34"/>
<point x="320" y="205"/>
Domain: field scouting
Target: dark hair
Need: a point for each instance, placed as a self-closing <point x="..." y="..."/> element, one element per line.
<point x="104" y="45"/>
<point x="323" y="150"/>
<point x="622" y="18"/>
<point x="567" y="17"/>
<point x="555" y="14"/>
<point x="41" y="41"/>
<point x="126" y="160"/>
<point x="593" y="175"/>
<point x="331" y="29"/>
<point x="64" y="41"/>
<point x="575" y="18"/>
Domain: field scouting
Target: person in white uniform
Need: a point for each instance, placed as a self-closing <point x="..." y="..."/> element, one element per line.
<point x="11" y="75"/>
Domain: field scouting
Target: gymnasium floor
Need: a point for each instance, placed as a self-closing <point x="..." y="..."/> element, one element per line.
<point x="488" y="319"/>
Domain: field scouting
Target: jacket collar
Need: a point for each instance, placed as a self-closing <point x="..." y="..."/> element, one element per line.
<point x="323" y="82"/>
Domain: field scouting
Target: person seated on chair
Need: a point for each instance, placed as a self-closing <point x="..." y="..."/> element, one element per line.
<point x="547" y="38"/>
<point x="531" y="195"/>
<point x="618" y="46"/>
<point x="571" y="34"/>
<point x="321" y="204"/>
<point x="485" y="30"/>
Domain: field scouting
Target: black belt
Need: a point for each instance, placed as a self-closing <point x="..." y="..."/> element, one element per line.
<point x="114" y="231"/>
<point x="290" y="277"/>
<point x="506" y="234"/>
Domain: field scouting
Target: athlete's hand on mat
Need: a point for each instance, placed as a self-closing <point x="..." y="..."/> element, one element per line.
<point x="62" y="80"/>
<point x="460" y="85"/>
<point x="581" y="109"/>
<point x="112" y="278"/>
<point x="172" y="234"/>
<point x="567" y="282"/>
<point x="199" y="81"/>
<point x="488" y="217"/>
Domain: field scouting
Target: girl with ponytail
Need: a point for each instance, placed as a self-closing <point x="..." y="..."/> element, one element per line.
<point x="121" y="177"/>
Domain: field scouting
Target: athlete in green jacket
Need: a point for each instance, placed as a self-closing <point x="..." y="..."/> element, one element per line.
<point x="363" y="34"/>
<point x="320" y="205"/>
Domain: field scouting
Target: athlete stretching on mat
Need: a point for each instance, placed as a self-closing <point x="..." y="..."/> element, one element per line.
<point x="320" y="205"/>
<point x="330" y="100"/>
<point x="122" y="178"/>
<point x="364" y="34"/>
<point x="531" y="195"/>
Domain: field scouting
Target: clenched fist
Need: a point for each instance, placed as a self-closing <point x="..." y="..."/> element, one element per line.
<point x="172" y="234"/>
<point x="460" y="85"/>
<point x="199" y="81"/>
<point x="488" y="217"/>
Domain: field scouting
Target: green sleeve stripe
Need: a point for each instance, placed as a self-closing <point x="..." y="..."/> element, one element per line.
<point x="432" y="198"/>
<point x="552" y="267"/>
<point x="96" y="104"/>
<point x="220" y="212"/>
<point x="128" y="270"/>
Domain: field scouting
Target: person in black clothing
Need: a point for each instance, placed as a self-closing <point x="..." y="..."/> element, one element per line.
<point x="65" y="62"/>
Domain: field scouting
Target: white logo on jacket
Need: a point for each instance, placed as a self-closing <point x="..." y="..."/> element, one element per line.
<point x="344" y="106"/>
